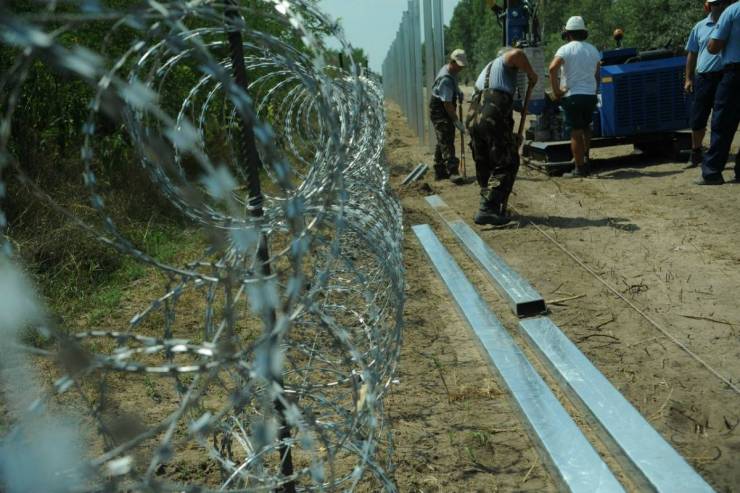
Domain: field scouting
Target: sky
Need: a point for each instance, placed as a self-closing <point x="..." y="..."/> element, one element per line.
<point x="372" y="24"/>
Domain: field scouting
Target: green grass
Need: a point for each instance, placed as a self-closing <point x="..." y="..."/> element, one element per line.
<point x="93" y="289"/>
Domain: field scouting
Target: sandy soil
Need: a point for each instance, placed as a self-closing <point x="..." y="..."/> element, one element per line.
<point x="668" y="246"/>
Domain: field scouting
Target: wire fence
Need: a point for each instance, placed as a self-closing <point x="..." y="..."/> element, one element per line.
<point x="278" y="385"/>
<point x="410" y="68"/>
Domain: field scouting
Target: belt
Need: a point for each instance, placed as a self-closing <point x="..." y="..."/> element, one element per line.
<point x="499" y="91"/>
<point x="711" y="75"/>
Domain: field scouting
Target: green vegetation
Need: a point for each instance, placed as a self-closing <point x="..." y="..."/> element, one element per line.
<point x="80" y="277"/>
<point x="647" y="24"/>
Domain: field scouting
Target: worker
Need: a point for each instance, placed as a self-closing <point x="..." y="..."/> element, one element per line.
<point x="491" y="125"/>
<point x="443" y="112"/>
<point x="578" y="61"/>
<point x="725" y="39"/>
<point x="703" y="73"/>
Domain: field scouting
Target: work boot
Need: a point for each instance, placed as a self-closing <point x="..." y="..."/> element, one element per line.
<point x="490" y="210"/>
<point x="710" y="180"/>
<point x="440" y="172"/>
<point x="453" y="169"/>
<point x="456" y="178"/>
<point x="581" y="172"/>
<point x="696" y="157"/>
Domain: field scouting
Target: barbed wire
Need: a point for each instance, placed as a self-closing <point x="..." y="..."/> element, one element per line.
<point x="279" y="385"/>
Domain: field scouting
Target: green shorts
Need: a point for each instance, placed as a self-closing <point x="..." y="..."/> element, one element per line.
<point x="579" y="110"/>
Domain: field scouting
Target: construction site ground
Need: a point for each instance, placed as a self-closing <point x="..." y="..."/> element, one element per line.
<point x="670" y="247"/>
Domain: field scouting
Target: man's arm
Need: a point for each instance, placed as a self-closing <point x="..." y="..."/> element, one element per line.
<point x="720" y="34"/>
<point x="518" y="59"/>
<point x="690" y="69"/>
<point x="716" y="46"/>
<point x="450" y="108"/>
<point x="554" y="70"/>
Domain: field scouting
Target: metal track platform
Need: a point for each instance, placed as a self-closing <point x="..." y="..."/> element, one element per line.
<point x="555" y="157"/>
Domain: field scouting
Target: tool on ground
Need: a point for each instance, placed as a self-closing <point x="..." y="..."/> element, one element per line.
<point x="519" y="139"/>
<point x="462" y="140"/>
<point x="525" y="106"/>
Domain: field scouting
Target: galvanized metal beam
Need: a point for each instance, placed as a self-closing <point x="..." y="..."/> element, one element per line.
<point x="564" y="448"/>
<point x="430" y="67"/>
<point x="419" y="171"/>
<point x="643" y="452"/>
<point x="524" y="300"/>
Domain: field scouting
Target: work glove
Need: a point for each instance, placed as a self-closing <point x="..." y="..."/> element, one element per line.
<point x="460" y="126"/>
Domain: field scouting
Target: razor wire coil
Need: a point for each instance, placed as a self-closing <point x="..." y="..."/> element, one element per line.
<point x="289" y="362"/>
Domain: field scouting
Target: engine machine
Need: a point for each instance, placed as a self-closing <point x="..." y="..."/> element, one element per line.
<point x="641" y="96"/>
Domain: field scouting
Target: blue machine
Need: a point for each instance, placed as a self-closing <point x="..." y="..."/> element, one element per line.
<point x="641" y="101"/>
<point x="643" y="97"/>
<point x="517" y="23"/>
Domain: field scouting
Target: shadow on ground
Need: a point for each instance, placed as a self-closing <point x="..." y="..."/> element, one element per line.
<point x="519" y="221"/>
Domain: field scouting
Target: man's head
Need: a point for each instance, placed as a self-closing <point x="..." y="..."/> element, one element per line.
<point x="458" y="60"/>
<point x="575" y="29"/>
<point x="716" y="7"/>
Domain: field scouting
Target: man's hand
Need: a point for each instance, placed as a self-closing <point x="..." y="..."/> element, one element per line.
<point x="459" y="125"/>
<point x="558" y="93"/>
<point x="688" y="86"/>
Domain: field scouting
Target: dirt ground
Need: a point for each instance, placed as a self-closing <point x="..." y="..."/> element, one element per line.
<point x="668" y="246"/>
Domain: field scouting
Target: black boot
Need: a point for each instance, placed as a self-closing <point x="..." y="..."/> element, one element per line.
<point x="490" y="211"/>
<point x="453" y="168"/>
<point x="440" y="172"/>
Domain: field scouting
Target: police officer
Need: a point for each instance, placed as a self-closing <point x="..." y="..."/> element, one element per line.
<point x="442" y="110"/>
<point x="491" y="125"/>
<point x="725" y="39"/>
<point x="703" y="73"/>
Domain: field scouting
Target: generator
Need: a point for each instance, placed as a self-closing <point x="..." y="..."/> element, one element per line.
<point x="641" y="102"/>
<point x="641" y="98"/>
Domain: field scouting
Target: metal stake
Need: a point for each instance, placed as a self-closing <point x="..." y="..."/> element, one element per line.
<point x="248" y="158"/>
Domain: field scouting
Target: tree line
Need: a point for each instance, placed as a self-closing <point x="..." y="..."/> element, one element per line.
<point x="647" y="24"/>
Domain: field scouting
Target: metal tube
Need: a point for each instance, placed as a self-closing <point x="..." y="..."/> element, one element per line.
<point x="418" y="75"/>
<point x="430" y="66"/>
<point x="439" y="35"/>
<point x="410" y="66"/>
<point x="248" y="157"/>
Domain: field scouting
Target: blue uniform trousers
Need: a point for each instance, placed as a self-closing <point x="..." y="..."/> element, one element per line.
<point x="725" y="120"/>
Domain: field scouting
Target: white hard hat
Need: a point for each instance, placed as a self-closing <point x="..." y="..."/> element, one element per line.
<point x="575" y="23"/>
<point x="459" y="57"/>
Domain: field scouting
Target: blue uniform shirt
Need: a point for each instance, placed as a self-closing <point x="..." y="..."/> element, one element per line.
<point x="728" y="30"/>
<point x="698" y="41"/>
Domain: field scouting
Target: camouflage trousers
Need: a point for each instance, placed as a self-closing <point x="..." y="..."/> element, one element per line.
<point x="445" y="161"/>
<point x="494" y="146"/>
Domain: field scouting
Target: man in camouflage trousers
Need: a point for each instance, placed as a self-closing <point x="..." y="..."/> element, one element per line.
<point x="442" y="112"/>
<point x="491" y="125"/>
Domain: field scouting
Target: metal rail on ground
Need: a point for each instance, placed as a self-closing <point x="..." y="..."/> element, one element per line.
<point x="571" y="458"/>
<point x="524" y="300"/>
<point x="419" y="171"/>
<point x="641" y="450"/>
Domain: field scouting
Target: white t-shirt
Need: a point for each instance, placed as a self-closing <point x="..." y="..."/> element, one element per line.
<point x="578" y="73"/>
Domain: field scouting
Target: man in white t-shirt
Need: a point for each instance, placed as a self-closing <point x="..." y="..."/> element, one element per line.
<point x="578" y="62"/>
